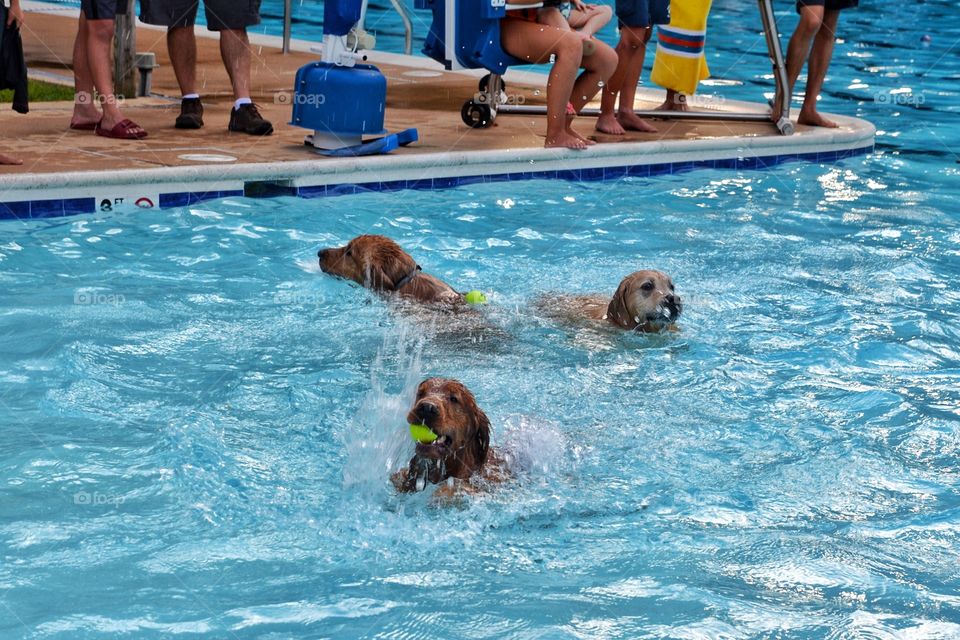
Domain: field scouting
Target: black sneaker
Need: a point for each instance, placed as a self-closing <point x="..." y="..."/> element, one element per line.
<point x="191" y="114"/>
<point x="247" y="119"/>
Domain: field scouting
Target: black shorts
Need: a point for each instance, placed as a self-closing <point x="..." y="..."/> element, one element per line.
<point x="221" y="14"/>
<point x="643" y="13"/>
<point x="103" y="9"/>
<point x="828" y="5"/>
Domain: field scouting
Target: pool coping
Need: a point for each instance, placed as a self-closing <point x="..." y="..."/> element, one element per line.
<point x="43" y="195"/>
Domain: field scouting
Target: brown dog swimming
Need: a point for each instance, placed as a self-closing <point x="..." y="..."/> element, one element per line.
<point x="378" y="263"/>
<point x="461" y="455"/>
<point x="645" y="301"/>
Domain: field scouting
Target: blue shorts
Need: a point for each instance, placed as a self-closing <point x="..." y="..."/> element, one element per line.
<point x="103" y="9"/>
<point x="828" y="5"/>
<point x="643" y="13"/>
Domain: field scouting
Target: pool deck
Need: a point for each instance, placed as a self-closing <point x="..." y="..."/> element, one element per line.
<point x="67" y="172"/>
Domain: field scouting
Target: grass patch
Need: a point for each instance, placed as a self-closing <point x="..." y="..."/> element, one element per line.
<point x="41" y="92"/>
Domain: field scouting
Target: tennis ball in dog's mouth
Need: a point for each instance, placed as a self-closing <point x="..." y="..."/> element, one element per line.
<point x="422" y="433"/>
<point x="475" y="297"/>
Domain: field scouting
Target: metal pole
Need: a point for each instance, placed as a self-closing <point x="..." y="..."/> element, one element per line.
<point x="287" y="24"/>
<point x="782" y="83"/>
<point x="407" y="25"/>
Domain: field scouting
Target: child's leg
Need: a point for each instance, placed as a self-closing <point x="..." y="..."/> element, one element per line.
<point x="552" y="16"/>
<point x="634" y="40"/>
<point x="589" y="22"/>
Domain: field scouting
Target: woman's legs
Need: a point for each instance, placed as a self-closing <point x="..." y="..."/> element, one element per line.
<point x="536" y="43"/>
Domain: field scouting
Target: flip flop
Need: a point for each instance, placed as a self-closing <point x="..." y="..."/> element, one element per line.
<point x="123" y="130"/>
<point x="85" y="126"/>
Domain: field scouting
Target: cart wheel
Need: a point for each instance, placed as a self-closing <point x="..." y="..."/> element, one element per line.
<point x="485" y="82"/>
<point x="785" y="126"/>
<point x="475" y="115"/>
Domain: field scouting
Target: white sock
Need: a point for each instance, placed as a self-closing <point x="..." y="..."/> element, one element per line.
<point x="241" y="101"/>
<point x="191" y="96"/>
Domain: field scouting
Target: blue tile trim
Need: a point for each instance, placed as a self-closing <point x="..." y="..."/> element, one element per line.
<point x="71" y="206"/>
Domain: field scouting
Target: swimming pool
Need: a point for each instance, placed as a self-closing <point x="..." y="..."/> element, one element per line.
<point x="198" y="424"/>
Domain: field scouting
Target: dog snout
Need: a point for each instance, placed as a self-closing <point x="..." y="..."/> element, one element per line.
<point x="674" y="305"/>
<point x="427" y="411"/>
<point x="322" y="253"/>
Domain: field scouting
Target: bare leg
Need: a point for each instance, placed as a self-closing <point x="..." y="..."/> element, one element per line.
<point x="535" y="43"/>
<point x="551" y="16"/>
<point x="675" y="101"/>
<point x="5" y="159"/>
<point x="630" y="54"/>
<point x="589" y="22"/>
<point x="235" y="51"/>
<point x="182" y="47"/>
<point x="99" y="44"/>
<point x="820" y="57"/>
<point x="85" y="112"/>
<point x="811" y="17"/>
<point x="598" y="67"/>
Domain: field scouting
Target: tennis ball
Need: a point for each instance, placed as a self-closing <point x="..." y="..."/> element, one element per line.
<point x="422" y="433"/>
<point x="475" y="297"/>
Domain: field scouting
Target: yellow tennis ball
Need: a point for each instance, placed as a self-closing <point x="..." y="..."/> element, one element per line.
<point x="475" y="297"/>
<point x="422" y="433"/>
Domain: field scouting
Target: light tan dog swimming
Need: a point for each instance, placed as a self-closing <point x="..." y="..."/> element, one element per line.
<point x="645" y="301"/>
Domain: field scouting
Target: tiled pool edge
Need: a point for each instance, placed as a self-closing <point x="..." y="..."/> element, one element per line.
<point x="88" y="192"/>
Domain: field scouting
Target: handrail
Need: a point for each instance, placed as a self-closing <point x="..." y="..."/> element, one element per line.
<point x="407" y="25"/>
<point x="287" y="24"/>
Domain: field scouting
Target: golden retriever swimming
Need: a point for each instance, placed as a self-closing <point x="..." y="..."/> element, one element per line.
<point x="378" y="263"/>
<point x="461" y="456"/>
<point x="645" y="301"/>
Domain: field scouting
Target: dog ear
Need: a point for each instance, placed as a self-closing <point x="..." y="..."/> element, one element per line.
<point x="390" y="265"/>
<point x="482" y="424"/>
<point x="617" y="311"/>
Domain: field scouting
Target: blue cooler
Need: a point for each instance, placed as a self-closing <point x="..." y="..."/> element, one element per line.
<point x="341" y="104"/>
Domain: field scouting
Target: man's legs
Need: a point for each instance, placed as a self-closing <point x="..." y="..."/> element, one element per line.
<point x="235" y="51"/>
<point x="817" y="66"/>
<point x="182" y="47"/>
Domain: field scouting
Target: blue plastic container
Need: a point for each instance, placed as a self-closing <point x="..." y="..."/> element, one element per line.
<point x="340" y="103"/>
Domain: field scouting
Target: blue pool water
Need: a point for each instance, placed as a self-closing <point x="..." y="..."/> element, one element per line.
<point x="197" y="425"/>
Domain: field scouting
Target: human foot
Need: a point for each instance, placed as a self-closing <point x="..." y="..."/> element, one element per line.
<point x="607" y="123"/>
<point x="570" y="131"/>
<point x="5" y="159"/>
<point x="564" y="139"/>
<point x="813" y="118"/>
<point x="632" y="122"/>
<point x="674" y="102"/>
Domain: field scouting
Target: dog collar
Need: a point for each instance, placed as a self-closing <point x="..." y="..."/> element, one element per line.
<point x="407" y="278"/>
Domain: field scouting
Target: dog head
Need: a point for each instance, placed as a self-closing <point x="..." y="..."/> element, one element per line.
<point x="645" y="301"/>
<point x="463" y="430"/>
<point x="376" y="262"/>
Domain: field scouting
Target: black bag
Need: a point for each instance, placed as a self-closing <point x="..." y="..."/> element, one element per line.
<point x="13" y="68"/>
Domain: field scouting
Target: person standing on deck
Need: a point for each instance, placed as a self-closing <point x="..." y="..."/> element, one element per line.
<point x="93" y="69"/>
<point x="818" y="24"/>
<point x="680" y="64"/>
<point x="636" y="19"/>
<point x="231" y="19"/>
